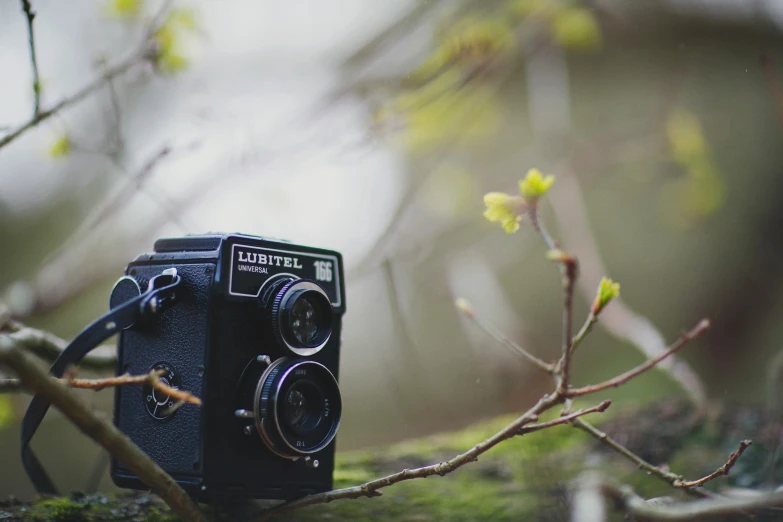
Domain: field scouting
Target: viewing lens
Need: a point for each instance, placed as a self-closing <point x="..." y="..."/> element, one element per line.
<point x="301" y="315"/>
<point x="305" y="319"/>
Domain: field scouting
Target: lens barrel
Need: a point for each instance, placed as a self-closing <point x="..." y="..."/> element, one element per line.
<point x="297" y="407"/>
<point x="301" y="315"/>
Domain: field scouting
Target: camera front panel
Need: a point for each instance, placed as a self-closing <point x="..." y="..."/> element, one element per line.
<point x="269" y="370"/>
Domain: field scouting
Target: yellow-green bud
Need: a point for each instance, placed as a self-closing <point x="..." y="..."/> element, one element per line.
<point x="607" y="290"/>
<point x="534" y="185"/>
<point x="505" y="209"/>
<point x="61" y="147"/>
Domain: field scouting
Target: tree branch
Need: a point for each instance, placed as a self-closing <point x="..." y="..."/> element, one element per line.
<point x="153" y="378"/>
<point x="620" y="321"/>
<point x="48" y="346"/>
<point x="30" y="15"/>
<point x="627" y="376"/>
<point x="370" y="489"/>
<point x="605" y="439"/>
<point x="142" y="53"/>
<point x="10" y="385"/>
<point x="723" y="470"/>
<point x="582" y="333"/>
<point x="465" y="307"/>
<point x="99" y="429"/>
<point x="565" y="419"/>
<point x="569" y="272"/>
<point x="110" y="73"/>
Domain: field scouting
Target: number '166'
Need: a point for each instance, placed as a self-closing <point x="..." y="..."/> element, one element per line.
<point x="323" y="271"/>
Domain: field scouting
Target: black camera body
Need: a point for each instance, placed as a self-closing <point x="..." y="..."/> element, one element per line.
<point x="255" y="333"/>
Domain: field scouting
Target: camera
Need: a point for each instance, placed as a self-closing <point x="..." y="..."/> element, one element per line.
<point x="255" y="333"/>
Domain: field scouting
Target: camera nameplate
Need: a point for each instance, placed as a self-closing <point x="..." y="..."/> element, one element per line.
<point x="253" y="266"/>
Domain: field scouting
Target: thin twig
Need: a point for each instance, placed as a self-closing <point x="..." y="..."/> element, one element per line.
<point x="152" y="378"/>
<point x="10" y="385"/>
<point x="370" y="489"/>
<point x="569" y="271"/>
<point x="673" y="479"/>
<point x="582" y="333"/>
<point x="48" y="346"/>
<point x="143" y="53"/>
<point x="565" y="419"/>
<point x="605" y="439"/>
<point x="539" y="227"/>
<point x="99" y="429"/>
<point x="723" y="470"/>
<point x="110" y="73"/>
<point x="697" y="330"/>
<point x="498" y="336"/>
<point x="30" y="15"/>
<point x="620" y="321"/>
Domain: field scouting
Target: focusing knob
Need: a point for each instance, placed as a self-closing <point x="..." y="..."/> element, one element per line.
<point x="159" y="405"/>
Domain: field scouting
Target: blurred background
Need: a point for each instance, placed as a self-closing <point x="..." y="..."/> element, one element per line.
<point x="374" y="128"/>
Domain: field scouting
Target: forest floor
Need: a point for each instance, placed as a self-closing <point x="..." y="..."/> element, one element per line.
<point x="525" y="478"/>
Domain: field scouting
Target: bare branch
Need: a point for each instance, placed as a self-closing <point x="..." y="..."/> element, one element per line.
<point x="697" y="330"/>
<point x="30" y="15"/>
<point x="109" y="74"/>
<point x="152" y="378"/>
<point x="565" y="419"/>
<point x="498" y="336"/>
<point x="370" y="489"/>
<point x="602" y="437"/>
<point x="10" y="385"/>
<point x="723" y="470"/>
<point x="540" y="229"/>
<point x="569" y="270"/>
<point x="48" y="346"/>
<point x="690" y="486"/>
<point x="99" y="429"/>
<point x="143" y="53"/>
<point x="582" y="333"/>
<point x="574" y="224"/>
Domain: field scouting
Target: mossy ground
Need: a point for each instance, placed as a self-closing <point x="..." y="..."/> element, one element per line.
<point x="524" y="478"/>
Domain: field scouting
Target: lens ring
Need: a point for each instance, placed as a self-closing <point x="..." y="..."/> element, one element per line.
<point x="302" y="317"/>
<point x="320" y="420"/>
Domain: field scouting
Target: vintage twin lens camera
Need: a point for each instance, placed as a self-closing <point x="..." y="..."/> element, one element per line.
<point x="255" y="332"/>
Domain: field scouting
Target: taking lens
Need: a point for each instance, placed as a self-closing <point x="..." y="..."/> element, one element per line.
<point x="298" y="407"/>
<point x="302" y="407"/>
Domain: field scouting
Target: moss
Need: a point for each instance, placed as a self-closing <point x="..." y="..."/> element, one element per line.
<point x="60" y="510"/>
<point x="524" y="478"/>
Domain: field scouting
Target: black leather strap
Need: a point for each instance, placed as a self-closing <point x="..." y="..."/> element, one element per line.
<point x="159" y="295"/>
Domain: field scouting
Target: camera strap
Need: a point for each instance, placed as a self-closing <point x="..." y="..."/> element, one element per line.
<point x="160" y="294"/>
